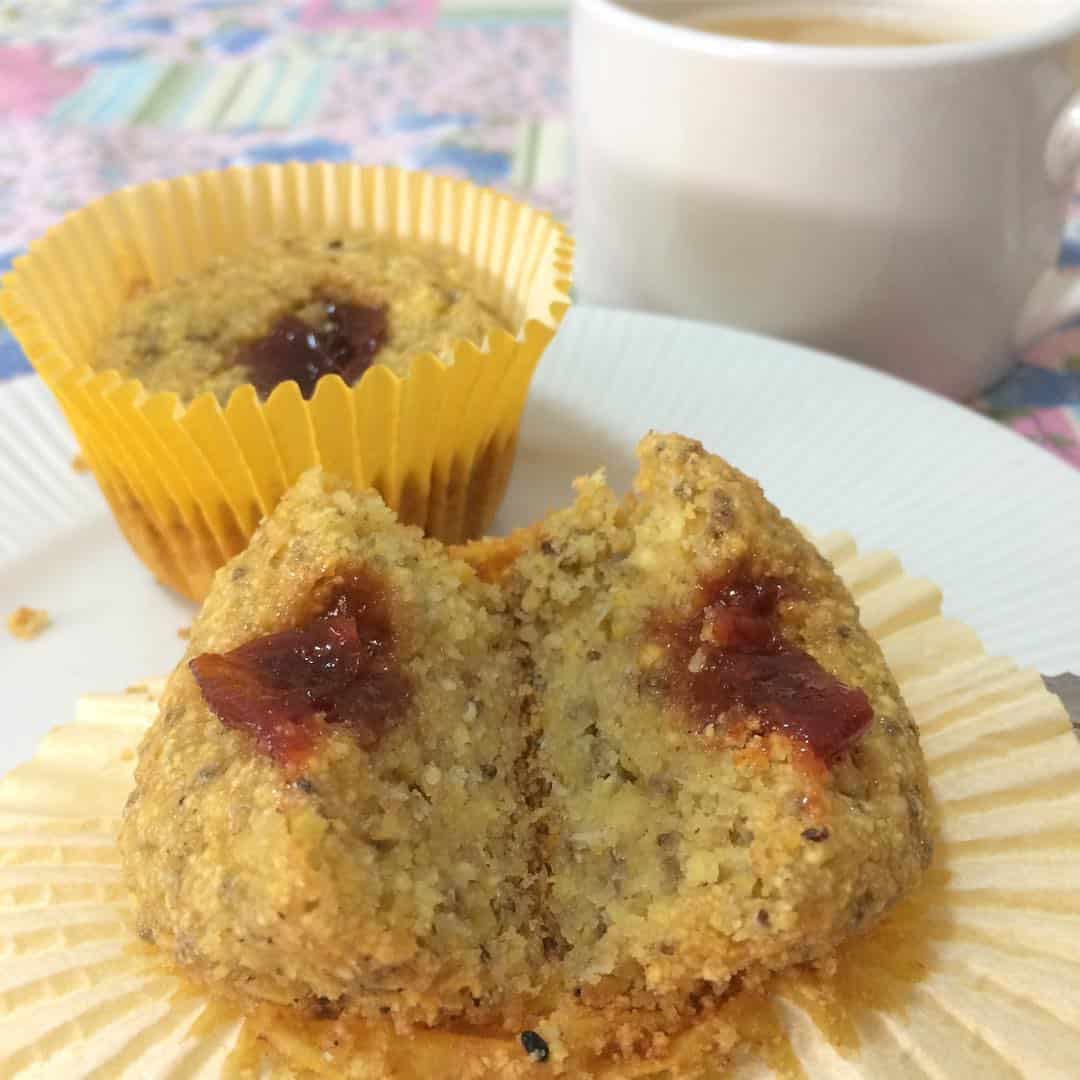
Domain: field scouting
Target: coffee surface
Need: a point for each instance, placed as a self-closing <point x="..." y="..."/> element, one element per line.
<point x="822" y="27"/>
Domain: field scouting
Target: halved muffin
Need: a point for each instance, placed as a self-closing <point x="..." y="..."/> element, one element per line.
<point x="327" y="811"/>
<point x="579" y="784"/>
<point x="734" y="783"/>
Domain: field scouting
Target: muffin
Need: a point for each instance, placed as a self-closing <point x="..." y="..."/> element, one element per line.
<point x="734" y="782"/>
<point x="577" y="787"/>
<point x="324" y="813"/>
<point x="297" y="308"/>
<point x="211" y="338"/>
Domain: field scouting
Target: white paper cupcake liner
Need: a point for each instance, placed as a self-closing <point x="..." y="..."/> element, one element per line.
<point x="977" y="975"/>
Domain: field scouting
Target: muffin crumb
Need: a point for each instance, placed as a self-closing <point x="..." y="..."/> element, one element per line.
<point x="27" y="623"/>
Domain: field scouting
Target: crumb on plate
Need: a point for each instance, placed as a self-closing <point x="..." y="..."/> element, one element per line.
<point x="25" y="623"/>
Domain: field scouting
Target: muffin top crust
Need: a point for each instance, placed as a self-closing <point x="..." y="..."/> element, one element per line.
<point x="298" y="308"/>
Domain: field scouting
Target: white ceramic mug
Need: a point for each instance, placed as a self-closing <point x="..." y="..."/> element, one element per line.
<point x="894" y="205"/>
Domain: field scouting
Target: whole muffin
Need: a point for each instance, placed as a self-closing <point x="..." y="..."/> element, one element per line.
<point x="297" y="308"/>
<point x="212" y="337"/>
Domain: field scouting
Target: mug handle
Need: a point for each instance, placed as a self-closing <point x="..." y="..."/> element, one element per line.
<point x="1056" y="296"/>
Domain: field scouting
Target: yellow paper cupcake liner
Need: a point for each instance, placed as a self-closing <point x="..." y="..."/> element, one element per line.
<point x="188" y="484"/>
<point x="975" y="975"/>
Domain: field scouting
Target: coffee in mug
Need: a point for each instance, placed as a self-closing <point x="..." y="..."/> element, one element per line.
<point x="821" y="26"/>
<point x="899" y="206"/>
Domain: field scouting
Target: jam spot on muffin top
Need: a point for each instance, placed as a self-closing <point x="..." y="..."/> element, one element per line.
<point x="338" y="668"/>
<point x="733" y="672"/>
<point x="345" y="343"/>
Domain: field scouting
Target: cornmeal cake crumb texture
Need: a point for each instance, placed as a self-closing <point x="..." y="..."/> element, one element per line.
<point x="297" y="308"/>
<point x="578" y="784"/>
<point x="27" y="623"/>
<point x="383" y="865"/>
<point x="700" y="820"/>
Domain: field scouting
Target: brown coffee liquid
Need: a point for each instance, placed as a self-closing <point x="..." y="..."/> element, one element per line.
<point x="807" y="28"/>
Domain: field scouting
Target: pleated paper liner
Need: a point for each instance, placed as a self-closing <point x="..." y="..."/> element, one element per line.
<point x="976" y="975"/>
<point x="188" y="483"/>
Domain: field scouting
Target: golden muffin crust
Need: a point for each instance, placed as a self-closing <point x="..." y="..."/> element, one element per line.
<point x="196" y="333"/>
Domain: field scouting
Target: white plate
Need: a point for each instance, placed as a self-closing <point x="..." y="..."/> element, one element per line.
<point x="965" y="502"/>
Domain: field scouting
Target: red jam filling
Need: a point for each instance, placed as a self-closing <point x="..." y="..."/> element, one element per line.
<point x="345" y="343"/>
<point x="338" y="668"/>
<point x="732" y="669"/>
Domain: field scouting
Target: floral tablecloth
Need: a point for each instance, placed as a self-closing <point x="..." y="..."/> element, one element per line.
<point x="94" y="96"/>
